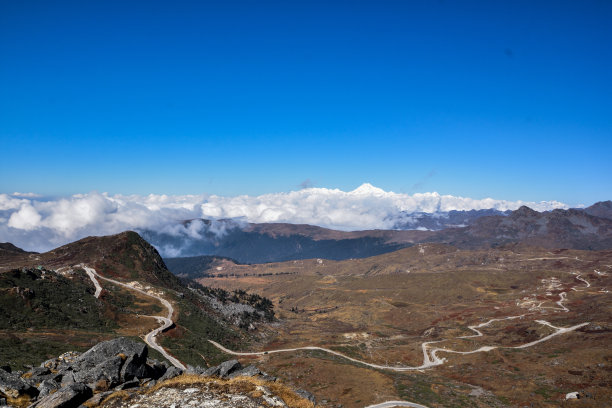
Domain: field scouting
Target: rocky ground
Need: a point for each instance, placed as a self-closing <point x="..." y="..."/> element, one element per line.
<point x="118" y="373"/>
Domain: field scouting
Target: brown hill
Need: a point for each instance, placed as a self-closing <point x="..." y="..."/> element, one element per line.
<point x="7" y="246"/>
<point x="55" y="302"/>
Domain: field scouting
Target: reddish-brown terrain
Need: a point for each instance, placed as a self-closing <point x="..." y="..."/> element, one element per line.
<point x="381" y="310"/>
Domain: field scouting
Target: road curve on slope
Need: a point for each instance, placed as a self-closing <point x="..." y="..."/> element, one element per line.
<point x="92" y="276"/>
<point x="165" y="322"/>
<point x="430" y="357"/>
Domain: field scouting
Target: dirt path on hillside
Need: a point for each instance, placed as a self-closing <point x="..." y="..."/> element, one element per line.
<point x="430" y="354"/>
<point x="165" y="322"/>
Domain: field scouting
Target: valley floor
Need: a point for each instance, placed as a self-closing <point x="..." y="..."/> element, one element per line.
<point x="440" y="327"/>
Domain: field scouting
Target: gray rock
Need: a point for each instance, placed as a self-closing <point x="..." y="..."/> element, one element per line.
<point x="67" y="397"/>
<point x="3" y="402"/>
<point x="134" y="367"/>
<point x="268" y="377"/>
<point x="128" y="384"/>
<point x="109" y="370"/>
<point x="98" y="398"/>
<point x="194" y="370"/>
<point x="12" y="385"/>
<point x="307" y="395"/>
<point x="51" y="364"/>
<point x="229" y="367"/>
<point x="156" y="369"/>
<point x="38" y="372"/>
<point x="67" y="377"/>
<point x="212" y="371"/>
<point x="171" y="373"/>
<point x="250" y="371"/>
<point x="108" y="349"/>
<point x="46" y="387"/>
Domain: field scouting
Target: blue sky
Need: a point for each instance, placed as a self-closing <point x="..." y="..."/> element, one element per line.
<point x="510" y="100"/>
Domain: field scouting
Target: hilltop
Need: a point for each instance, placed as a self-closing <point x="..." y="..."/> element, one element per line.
<point x="51" y="302"/>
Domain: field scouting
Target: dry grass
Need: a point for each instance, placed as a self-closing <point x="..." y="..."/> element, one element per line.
<point x="244" y="385"/>
<point x="122" y="395"/>
<point x="20" y="402"/>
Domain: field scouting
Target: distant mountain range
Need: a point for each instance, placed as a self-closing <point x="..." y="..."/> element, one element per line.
<point x="257" y="243"/>
<point x="573" y="229"/>
<point x="589" y="228"/>
<point x="441" y="220"/>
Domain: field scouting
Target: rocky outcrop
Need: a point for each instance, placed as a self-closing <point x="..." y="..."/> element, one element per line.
<point x="72" y="378"/>
<point x="121" y="365"/>
<point x="12" y="386"/>
<point x="70" y="396"/>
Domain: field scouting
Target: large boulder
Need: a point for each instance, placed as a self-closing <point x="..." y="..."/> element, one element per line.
<point x="229" y="367"/>
<point x="47" y="387"/>
<point x="249" y="371"/>
<point x="101" y="352"/>
<point x="134" y="367"/>
<point x="171" y="373"/>
<point x="156" y="368"/>
<point x="105" y="375"/>
<point x="70" y="396"/>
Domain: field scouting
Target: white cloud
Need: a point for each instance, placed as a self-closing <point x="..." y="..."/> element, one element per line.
<point x="37" y="224"/>
<point x="28" y="195"/>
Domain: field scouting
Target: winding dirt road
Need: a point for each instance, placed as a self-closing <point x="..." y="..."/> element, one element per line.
<point x="430" y="354"/>
<point x="430" y="357"/>
<point x="166" y="322"/>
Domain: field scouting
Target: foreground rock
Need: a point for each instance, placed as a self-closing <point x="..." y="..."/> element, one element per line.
<point x="72" y="378"/>
<point x="192" y="390"/>
<point x="70" y="396"/>
<point x="116" y="373"/>
<point x="15" y="389"/>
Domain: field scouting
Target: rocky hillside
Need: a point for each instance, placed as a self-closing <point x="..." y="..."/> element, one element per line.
<point x="574" y="229"/>
<point x="49" y="303"/>
<point x="119" y="373"/>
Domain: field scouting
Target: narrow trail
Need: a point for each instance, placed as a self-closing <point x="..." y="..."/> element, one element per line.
<point x="165" y="322"/>
<point x="430" y="354"/>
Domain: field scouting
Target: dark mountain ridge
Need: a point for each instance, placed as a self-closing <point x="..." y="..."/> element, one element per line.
<point x="257" y="243"/>
<point x="572" y="229"/>
<point x="588" y="228"/>
<point x="601" y="209"/>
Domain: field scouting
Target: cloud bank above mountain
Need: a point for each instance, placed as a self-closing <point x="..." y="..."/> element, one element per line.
<point x="35" y="223"/>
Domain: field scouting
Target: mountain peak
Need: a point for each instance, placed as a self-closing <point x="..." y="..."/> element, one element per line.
<point x="7" y="246"/>
<point x="524" y="211"/>
<point x="601" y="209"/>
<point x="368" y="189"/>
